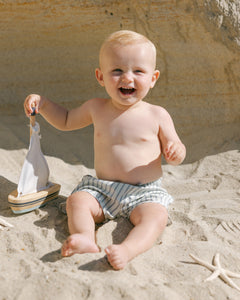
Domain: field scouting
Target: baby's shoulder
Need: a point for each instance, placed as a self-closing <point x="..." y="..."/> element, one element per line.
<point x="96" y="103"/>
<point x="157" y="110"/>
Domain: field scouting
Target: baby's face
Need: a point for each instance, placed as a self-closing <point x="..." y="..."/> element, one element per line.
<point x="127" y="73"/>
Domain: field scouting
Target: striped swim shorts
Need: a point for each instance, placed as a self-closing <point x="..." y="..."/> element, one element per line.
<point x="119" y="199"/>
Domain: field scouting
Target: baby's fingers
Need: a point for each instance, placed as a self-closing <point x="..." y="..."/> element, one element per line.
<point x="169" y="150"/>
<point x="31" y="105"/>
<point x="175" y="152"/>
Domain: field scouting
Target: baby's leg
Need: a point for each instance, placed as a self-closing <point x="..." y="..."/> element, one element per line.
<point x="149" y="219"/>
<point x="83" y="211"/>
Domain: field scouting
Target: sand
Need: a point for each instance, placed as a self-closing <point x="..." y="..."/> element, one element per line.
<point x="205" y="220"/>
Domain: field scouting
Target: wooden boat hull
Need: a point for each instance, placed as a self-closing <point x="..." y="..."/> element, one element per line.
<point x="29" y="202"/>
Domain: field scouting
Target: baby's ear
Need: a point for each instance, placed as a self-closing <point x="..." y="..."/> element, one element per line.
<point x="156" y="75"/>
<point x="99" y="76"/>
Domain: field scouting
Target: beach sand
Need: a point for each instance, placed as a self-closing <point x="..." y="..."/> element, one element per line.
<point x="205" y="220"/>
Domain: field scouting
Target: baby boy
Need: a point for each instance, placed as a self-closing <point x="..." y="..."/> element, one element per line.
<point x="130" y="136"/>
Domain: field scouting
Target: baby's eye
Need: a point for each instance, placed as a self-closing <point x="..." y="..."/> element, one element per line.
<point x="138" y="71"/>
<point x="117" y="71"/>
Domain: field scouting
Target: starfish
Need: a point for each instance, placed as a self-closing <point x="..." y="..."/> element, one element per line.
<point x="217" y="270"/>
<point x="4" y="223"/>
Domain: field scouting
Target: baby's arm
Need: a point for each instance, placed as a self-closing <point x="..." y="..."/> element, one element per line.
<point x="173" y="149"/>
<point x="57" y="115"/>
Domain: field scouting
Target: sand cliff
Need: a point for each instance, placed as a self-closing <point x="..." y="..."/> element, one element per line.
<point x="51" y="48"/>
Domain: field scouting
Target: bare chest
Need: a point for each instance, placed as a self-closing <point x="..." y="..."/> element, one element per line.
<point x="126" y="129"/>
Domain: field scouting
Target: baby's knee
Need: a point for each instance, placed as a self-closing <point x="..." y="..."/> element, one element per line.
<point x="74" y="201"/>
<point x="162" y="217"/>
<point x="149" y="212"/>
<point x="69" y="203"/>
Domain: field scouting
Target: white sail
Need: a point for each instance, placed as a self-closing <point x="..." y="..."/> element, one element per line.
<point x="35" y="171"/>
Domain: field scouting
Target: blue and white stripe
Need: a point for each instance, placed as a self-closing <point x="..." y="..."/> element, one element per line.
<point x="119" y="199"/>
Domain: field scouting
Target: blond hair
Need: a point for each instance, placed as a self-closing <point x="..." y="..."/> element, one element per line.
<point x="124" y="38"/>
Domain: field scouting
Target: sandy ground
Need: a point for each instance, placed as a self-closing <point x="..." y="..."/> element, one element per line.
<point x="205" y="220"/>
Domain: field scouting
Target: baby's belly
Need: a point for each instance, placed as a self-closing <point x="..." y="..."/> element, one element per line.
<point x="132" y="167"/>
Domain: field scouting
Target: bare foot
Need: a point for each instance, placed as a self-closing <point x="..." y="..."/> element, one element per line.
<point x="118" y="256"/>
<point x="78" y="243"/>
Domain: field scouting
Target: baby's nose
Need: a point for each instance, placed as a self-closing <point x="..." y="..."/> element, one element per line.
<point x="127" y="77"/>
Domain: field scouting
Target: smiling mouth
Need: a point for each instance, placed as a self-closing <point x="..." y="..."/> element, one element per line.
<point x="126" y="91"/>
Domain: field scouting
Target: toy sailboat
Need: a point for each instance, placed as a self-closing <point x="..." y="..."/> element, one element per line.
<point x="34" y="190"/>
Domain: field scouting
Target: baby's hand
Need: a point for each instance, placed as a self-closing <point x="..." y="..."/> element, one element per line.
<point x="174" y="153"/>
<point x="33" y="101"/>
